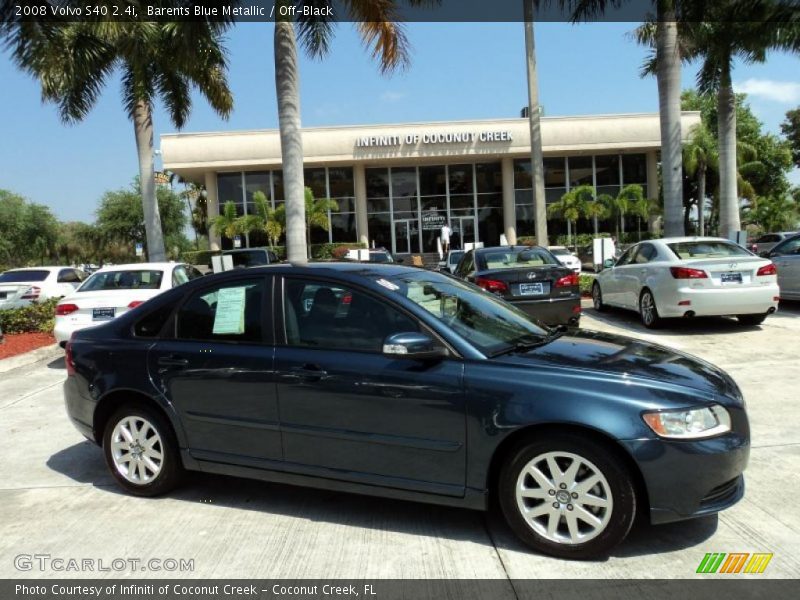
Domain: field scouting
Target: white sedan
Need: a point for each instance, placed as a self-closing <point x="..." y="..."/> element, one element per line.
<point x="687" y="277"/>
<point x="21" y="287"/>
<point x="566" y="258"/>
<point x="113" y="291"/>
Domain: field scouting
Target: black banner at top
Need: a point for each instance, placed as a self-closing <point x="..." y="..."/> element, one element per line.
<point x="476" y="11"/>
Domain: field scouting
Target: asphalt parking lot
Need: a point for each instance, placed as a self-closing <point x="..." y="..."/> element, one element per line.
<point x="56" y="497"/>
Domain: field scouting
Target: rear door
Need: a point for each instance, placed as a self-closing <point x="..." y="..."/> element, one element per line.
<point x="217" y="370"/>
<point x="788" y="265"/>
<point x="614" y="280"/>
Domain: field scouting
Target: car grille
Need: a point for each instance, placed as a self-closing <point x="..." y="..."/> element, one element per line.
<point x="721" y="493"/>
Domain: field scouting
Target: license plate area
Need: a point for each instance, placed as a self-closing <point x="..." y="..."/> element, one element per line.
<point x="3" y="295"/>
<point x="103" y="314"/>
<point x="532" y="289"/>
<point x="728" y="278"/>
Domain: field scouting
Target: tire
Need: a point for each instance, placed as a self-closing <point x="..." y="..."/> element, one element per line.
<point x="562" y="531"/>
<point x="152" y="435"/>
<point x="751" y="320"/>
<point x="648" y="312"/>
<point x="597" y="298"/>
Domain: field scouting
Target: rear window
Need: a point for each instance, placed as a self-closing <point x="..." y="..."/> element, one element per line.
<point x="253" y="258"/>
<point x="23" y="276"/>
<point x="508" y="258"/>
<point x="560" y="251"/>
<point x="686" y="250"/>
<point x="455" y="257"/>
<point x="123" y="280"/>
<point x="380" y="257"/>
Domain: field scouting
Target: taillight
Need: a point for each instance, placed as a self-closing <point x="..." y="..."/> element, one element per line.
<point x="347" y="298"/>
<point x="68" y="358"/>
<point x="135" y="303"/>
<point x="568" y="280"/>
<point x="687" y="273"/>
<point x="32" y="293"/>
<point x="65" y="309"/>
<point x="492" y="285"/>
<point x="767" y="270"/>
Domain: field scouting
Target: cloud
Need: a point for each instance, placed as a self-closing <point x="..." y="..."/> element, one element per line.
<point x="787" y="92"/>
<point x="393" y="96"/>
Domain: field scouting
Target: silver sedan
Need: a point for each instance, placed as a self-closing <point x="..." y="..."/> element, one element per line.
<point x="687" y="277"/>
<point x="786" y="257"/>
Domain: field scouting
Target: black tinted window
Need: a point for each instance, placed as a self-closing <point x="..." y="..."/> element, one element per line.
<point x="152" y="324"/>
<point x="323" y="315"/>
<point x="231" y="311"/>
<point x="68" y="276"/>
<point x="23" y="276"/>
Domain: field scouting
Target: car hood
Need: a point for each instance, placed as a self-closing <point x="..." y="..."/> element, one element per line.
<point x="615" y="354"/>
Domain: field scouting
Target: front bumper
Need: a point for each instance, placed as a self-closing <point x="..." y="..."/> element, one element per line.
<point x="688" y="479"/>
<point x="551" y="311"/>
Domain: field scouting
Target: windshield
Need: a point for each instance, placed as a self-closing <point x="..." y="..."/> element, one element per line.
<point x="712" y="249"/>
<point x="489" y="324"/>
<point x="123" y="280"/>
<point x="512" y="258"/>
<point x="23" y="276"/>
<point x="380" y="257"/>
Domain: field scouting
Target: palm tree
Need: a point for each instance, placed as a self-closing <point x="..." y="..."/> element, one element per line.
<point x="629" y="200"/>
<point x="593" y="208"/>
<point x="774" y="213"/>
<point x="73" y="61"/>
<point x="571" y="206"/>
<point x="265" y="219"/>
<point x="668" y="75"/>
<point x="380" y="30"/>
<point x="700" y="154"/>
<point x="316" y="210"/>
<point x="227" y="223"/>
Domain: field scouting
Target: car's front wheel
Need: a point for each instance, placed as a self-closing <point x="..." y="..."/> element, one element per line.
<point x="597" y="297"/>
<point x="567" y="496"/>
<point x="141" y="451"/>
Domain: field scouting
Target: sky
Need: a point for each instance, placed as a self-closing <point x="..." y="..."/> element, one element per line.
<point x="458" y="71"/>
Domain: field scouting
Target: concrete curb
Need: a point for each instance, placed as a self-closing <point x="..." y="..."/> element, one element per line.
<point x="28" y="358"/>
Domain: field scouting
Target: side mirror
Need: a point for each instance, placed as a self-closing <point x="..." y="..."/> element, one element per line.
<point x="608" y="263"/>
<point x="413" y="345"/>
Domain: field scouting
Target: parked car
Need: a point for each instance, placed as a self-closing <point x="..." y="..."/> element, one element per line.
<point x="529" y="277"/>
<point x="566" y="258"/>
<point x="113" y="291"/>
<point x="21" y="287"/>
<point x="451" y="261"/>
<point x="786" y="257"/>
<point x="252" y="257"/>
<point x="382" y="255"/>
<point x="687" y="277"/>
<point x="417" y="387"/>
<point x="769" y="240"/>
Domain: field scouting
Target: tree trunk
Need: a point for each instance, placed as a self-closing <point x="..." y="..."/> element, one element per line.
<point x="534" y="119"/>
<point x="668" y="72"/>
<point x="287" y="86"/>
<point x="701" y="199"/>
<point x="143" y="128"/>
<point x="726" y="123"/>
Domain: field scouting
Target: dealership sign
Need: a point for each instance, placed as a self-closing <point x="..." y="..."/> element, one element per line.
<point x="451" y="137"/>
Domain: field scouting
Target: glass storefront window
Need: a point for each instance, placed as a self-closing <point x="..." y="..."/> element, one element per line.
<point x="607" y="169"/>
<point x="256" y="181"/>
<point x="555" y="174"/>
<point x="434" y="203"/>
<point x="277" y="186"/>
<point x="404" y="183"/>
<point x="611" y="190"/>
<point x="404" y="204"/>
<point x="462" y="201"/>
<point x="315" y="179"/>
<point x="377" y="183"/>
<point x="460" y="179"/>
<point x="522" y="174"/>
<point x="490" y="200"/>
<point x="432" y="181"/>
<point x="377" y="205"/>
<point x="380" y="229"/>
<point x="229" y="189"/>
<point x="634" y="168"/>
<point x="580" y="171"/>
<point x="554" y="194"/>
<point x="343" y="227"/>
<point x="489" y="177"/>
<point x="490" y="226"/>
<point x="340" y="180"/>
<point x="525" y="224"/>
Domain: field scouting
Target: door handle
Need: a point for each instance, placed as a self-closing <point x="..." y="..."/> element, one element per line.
<point x="309" y="372"/>
<point x="172" y="361"/>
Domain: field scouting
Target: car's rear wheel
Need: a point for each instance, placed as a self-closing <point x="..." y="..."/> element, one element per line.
<point x="751" y="320"/>
<point x="141" y="451"/>
<point x="648" y="311"/>
<point x="567" y="496"/>
<point x="597" y="297"/>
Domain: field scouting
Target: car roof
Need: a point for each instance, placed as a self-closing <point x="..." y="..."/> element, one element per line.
<point x="164" y="266"/>
<point x="678" y="240"/>
<point x="517" y="247"/>
<point x="50" y="268"/>
<point x="352" y="268"/>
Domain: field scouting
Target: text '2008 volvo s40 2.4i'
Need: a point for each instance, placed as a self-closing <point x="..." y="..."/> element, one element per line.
<point x="410" y="384"/>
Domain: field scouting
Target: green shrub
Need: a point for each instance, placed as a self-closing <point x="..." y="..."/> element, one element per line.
<point x="198" y="257"/>
<point x="325" y="251"/>
<point x="586" y="284"/>
<point x="37" y="317"/>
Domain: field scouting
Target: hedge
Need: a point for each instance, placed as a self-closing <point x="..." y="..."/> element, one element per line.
<point x="36" y="317"/>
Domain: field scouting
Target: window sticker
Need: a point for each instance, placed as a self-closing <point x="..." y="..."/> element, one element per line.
<point x="388" y="284"/>
<point x="229" y="318"/>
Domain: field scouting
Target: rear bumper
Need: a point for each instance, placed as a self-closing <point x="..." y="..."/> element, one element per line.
<point x="80" y="408"/>
<point x="552" y="311"/>
<point x="718" y="302"/>
<point x="64" y="329"/>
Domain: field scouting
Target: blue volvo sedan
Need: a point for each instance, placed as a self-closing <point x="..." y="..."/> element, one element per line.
<point x="410" y="384"/>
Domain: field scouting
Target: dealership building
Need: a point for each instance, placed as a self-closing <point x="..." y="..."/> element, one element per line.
<point x="396" y="185"/>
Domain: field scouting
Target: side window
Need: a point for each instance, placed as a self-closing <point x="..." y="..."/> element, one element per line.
<point x="465" y="266"/>
<point x="230" y="311"/>
<point x="192" y="272"/>
<point x="82" y="275"/>
<point x="627" y="257"/>
<point x="151" y="324"/>
<point x="179" y="276"/>
<point x="646" y="253"/>
<point x="790" y="247"/>
<point x="68" y="276"/>
<point x="328" y="316"/>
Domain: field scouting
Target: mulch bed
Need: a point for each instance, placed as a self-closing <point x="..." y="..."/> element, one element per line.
<point x="19" y="343"/>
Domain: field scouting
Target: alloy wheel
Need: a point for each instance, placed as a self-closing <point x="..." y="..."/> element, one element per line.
<point x="564" y="498"/>
<point x="137" y="450"/>
<point x="647" y="307"/>
<point x="597" y="300"/>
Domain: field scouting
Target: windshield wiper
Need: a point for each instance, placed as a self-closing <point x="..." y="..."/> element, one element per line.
<point x="526" y="343"/>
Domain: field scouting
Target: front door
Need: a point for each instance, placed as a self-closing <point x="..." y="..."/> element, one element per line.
<point x="463" y="231"/>
<point x="405" y="236"/>
<point x="348" y="411"/>
<point x="218" y="372"/>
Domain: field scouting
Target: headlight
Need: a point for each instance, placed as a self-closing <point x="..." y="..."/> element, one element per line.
<point x="689" y="424"/>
